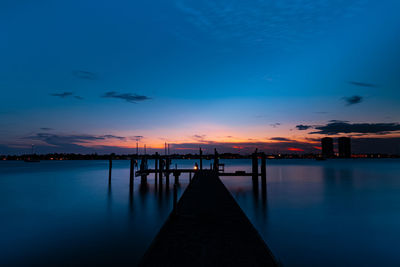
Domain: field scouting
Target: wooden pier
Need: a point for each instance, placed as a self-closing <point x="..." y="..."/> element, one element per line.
<point x="208" y="228"/>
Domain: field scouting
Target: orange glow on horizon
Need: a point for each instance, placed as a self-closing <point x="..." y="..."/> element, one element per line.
<point x="295" y="149"/>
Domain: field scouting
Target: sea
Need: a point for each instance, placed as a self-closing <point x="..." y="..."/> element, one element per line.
<point x="339" y="212"/>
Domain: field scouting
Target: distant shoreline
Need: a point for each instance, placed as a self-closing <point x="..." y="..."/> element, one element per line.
<point x="68" y="156"/>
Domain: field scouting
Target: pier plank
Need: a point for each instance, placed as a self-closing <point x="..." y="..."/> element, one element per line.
<point x="208" y="229"/>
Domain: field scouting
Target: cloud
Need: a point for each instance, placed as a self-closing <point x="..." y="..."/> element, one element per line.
<point x="264" y="23"/>
<point x="352" y="100"/>
<point x="282" y="139"/>
<point x="63" y="95"/>
<point x="62" y="140"/>
<point x="302" y="127"/>
<point x="70" y="143"/>
<point x="67" y="94"/>
<point x="110" y="136"/>
<point x="137" y="137"/>
<point x="361" y="84"/>
<point x="274" y="125"/>
<point x="85" y="75"/>
<point x="131" y="98"/>
<point x="338" y="127"/>
<point x="331" y="121"/>
<point x="46" y="129"/>
<point x="201" y="138"/>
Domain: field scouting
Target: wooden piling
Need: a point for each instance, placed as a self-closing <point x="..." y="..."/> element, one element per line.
<point x="168" y="162"/>
<point x="160" y="171"/>
<point x="263" y="171"/>
<point x="132" y="171"/>
<point x="255" y="171"/>
<point x="176" y="175"/>
<point x="175" y="198"/>
<point x="201" y="159"/>
<point x="156" y="169"/>
<point x="216" y="161"/>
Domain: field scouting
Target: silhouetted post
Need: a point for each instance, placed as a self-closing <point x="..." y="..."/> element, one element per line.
<point x="175" y="198"/>
<point x="167" y="160"/>
<point x="131" y="174"/>
<point x="216" y="163"/>
<point x="255" y="169"/>
<point x="161" y="167"/>
<point x="211" y="166"/>
<point x="176" y="174"/>
<point x="263" y="172"/>
<point x="109" y="170"/>
<point x="264" y="182"/>
<point x="190" y="177"/>
<point x="201" y="159"/>
<point x="156" y="169"/>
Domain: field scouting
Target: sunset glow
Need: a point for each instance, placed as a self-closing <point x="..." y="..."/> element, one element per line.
<point x="196" y="76"/>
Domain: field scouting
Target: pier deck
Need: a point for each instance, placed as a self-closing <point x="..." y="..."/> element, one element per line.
<point x="180" y="171"/>
<point x="208" y="229"/>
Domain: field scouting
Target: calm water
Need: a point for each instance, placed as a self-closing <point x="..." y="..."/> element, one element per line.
<point x="338" y="212"/>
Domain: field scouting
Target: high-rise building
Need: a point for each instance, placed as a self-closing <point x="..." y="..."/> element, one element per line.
<point x="327" y="147"/>
<point x="344" y="147"/>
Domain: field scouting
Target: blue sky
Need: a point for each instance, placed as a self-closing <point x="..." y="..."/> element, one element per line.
<point x="234" y="72"/>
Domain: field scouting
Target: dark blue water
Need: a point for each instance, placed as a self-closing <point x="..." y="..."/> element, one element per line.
<point x="338" y="212"/>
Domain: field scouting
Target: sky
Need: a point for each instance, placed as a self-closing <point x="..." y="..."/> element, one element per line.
<point x="96" y="76"/>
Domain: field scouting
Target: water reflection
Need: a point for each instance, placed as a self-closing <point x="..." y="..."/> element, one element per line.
<point x="258" y="185"/>
<point x="314" y="205"/>
<point x="109" y="197"/>
<point x="338" y="180"/>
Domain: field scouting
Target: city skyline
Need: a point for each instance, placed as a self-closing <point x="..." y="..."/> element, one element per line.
<point x="227" y="74"/>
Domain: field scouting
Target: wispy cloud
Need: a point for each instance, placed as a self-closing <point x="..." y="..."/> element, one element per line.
<point x="338" y="127"/>
<point x="352" y="100"/>
<point x="85" y="75"/>
<point x="264" y="22"/>
<point x="274" y="125"/>
<point x="46" y="129"/>
<point x="63" y="95"/>
<point x="66" y="95"/>
<point x="200" y="138"/>
<point x="281" y="139"/>
<point x="361" y="84"/>
<point x="302" y="127"/>
<point x="131" y="98"/>
<point x="62" y="139"/>
<point x="137" y="137"/>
